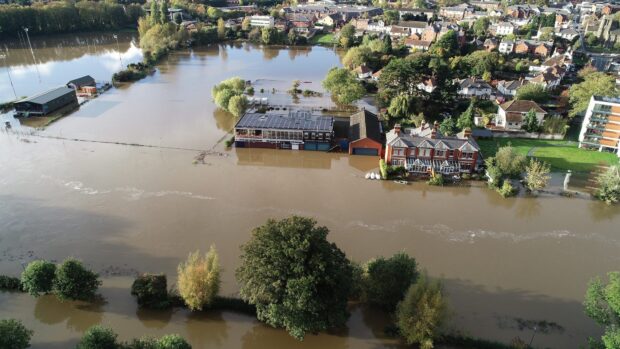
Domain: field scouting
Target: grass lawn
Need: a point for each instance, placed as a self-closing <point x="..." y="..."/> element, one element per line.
<point x="561" y="155"/>
<point x="323" y="39"/>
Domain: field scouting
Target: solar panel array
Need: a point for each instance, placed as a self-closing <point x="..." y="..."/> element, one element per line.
<point x="293" y="121"/>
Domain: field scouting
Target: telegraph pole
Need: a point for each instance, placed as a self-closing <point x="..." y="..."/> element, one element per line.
<point x="8" y="72"/>
<point x="32" y="52"/>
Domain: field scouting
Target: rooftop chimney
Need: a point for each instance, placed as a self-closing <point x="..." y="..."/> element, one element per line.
<point x="397" y="129"/>
<point x="434" y="131"/>
<point x="467" y="132"/>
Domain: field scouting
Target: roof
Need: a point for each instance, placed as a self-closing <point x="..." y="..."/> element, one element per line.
<point x="412" y="24"/>
<point x="475" y="83"/>
<point x="293" y="120"/>
<point x="84" y="80"/>
<point x="512" y="84"/>
<point x="365" y="124"/>
<point x="415" y="42"/>
<point x="407" y="140"/>
<point x="521" y="106"/>
<point x="49" y="95"/>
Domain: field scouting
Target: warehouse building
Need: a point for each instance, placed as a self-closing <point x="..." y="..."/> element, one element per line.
<point x="47" y="102"/>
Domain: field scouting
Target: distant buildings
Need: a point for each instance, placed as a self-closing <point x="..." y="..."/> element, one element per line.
<point x="511" y="115"/>
<point x="261" y="21"/>
<point x="474" y="87"/>
<point x="600" y="129"/>
<point x="47" y="102"/>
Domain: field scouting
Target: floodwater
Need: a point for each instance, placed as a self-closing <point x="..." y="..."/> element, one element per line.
<point x="506" y="263"/>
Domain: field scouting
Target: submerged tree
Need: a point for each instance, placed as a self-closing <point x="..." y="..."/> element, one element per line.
<point x="14" y="335"/>
<point x="609" y="185"/>
<point x="387" y="280"/>
<point x="199" y="279"/>
<point x="537" y="175"/>
<point x="38" y="277"/>
<point x="343" y="86"/>
<point x="602" y="304"/>
<point x="296" y="278"/>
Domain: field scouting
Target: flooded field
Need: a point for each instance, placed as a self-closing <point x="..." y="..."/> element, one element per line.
<point x="506" y="263"/>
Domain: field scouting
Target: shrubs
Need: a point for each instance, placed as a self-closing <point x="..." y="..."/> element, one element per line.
<point x="387" y="280"/>
<point x="199" y="279"/>
<point x="383" y="169"/>
<point x="436" y="179"/>
<point x="13" y="335"/>
<point x="9" y="283"/>
<point x="172" y="341"/>
<point x="73" y="281"/>
<point x="151" y="291"/>
<point x="537" y="175"/>
<point x="421" y="313"/>
<point x="38" y="277"/>
<point x="507" y="190"/>
<point x="609" y="185"/>
<point x="98" y="337"/>
<point x="224" y="95"/>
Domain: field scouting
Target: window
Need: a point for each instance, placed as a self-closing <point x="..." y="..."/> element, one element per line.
<point x="425" y="152"/>
<point x="467" y="155"/>
<point x="398" y="152"/>
<point x="440" y="153"/>
<point x="451" y="153"/>
<point x="398" y="162"/>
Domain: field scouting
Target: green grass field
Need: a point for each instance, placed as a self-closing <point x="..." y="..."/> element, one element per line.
<point x="561" y="155"/>
<point x="323" y="39"/>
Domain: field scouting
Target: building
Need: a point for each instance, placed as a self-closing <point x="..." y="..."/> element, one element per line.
<point x="490" y="44"/>
<point x="415" y="12"/>
<point x="502" y="28"/>
<point x="281" y="129"/>
<point x="455" y="12"/>
<point x="537" y="48"/>
<point x="486" y="4"/>
<point x="79" y="83"/>
<point x="47" y="102"/>
<point x="506" y="47"/>
<point x="474" y="87"/>
<point x="600" y="129"/>
<point x="410" y="27"/>
<point x="509" y="88"/>
<point x="363" y="72"/>
<point x="417" y="45"/>
<point x="427" y="85"/>
<point x="422" y="155"/>
<point x="365" y="134"/>
<point x="261" y="21"/>
<point x="511" y="114"/>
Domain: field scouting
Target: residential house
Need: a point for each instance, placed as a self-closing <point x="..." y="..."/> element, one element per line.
<point x="413" y="27"/>
<point x="486" y="4"/>
<point x="376" y="75"/>
<point x="261" y="21"/>
<point x="365" y="134"/>
<point x="417" y="45"/>
<point x="502" y="28"/>
<point x="561" y="20"/>
<point x="600" y="128"/>
<point x="423" y="155"/>
<point x="510" y="87"/>
<point x="490" y="44"/>
<point x="474" y="87"/>
<point x="363" y="72"/>
<point x="330" y="20"/>
<point x="297" y="130"/>
<point x="360" y="24"/>
<point x="83" y="86"/>
<point x="399" y="32"/>
<point x="506" y="46"/>
<point x="549" y="79"/>
<point x="379" y="27"/>
<point x="566" y="33"/>
<point x="427" y="85"/>
<point x="609" y="9"/>
<point x="538" y="48"/>
<point x="301" y="23"/>
<point x="455" y="12"/>
<point x="416" y="12"/>
<point x="511" y="114"/>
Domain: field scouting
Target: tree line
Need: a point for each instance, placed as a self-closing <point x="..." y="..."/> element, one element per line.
<point x="64" y="17"/>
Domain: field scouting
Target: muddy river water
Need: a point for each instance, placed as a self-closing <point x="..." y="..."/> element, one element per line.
<point x="505" y="263"/>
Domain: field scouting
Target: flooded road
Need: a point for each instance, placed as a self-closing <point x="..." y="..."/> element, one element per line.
<point x="124" y="209"/>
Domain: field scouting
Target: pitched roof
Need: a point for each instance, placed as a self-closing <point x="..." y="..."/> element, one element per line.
<point x="293" y="120"/>
<point x="49" y="95"/>
<point x="81" y="81"/>
<point x="521" y="106"/>
<point x="364" y="124"/>
<point x="512" y="84"/>
<point x="404" y="139"/>
<point x="412" y="24"/>
<point x="474" y="83"/>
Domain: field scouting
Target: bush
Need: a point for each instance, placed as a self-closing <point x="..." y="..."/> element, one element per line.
<point x="199" y="279"/>
<point x="507" y="190"/>
<point x="229" y="142"/>
<point x="73" y="281"/>
<point x="436" y="179"/>
<point x="151" y="291"/>
<point x="383" y="169"/>
<point x="387" y="280"/>
<point x="9" y="283"/>
<point x="609" y="185"/>
<point x="98" y="337"/>
<point x="38" y="277"/>
<point x="13" y="335"/>
<point x="172" y="341"/>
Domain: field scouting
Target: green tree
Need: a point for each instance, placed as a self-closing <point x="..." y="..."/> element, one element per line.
<point x="530" y="122"/>
<point x="163" y="12"/>
<point x="599" y="84"/>
<point x="296" y="278"/>
<point x="154" y="15"/>
<point x="602" y="304"/>
<point x="14" y="335"/>
<point x="387" y="45"/>
<point x="221" y="28"/>
<point x="466" y="119"/>
<point x="73" y="281"/>
<point x="447" y="45"/>
<point x="537" y="175"/>
<point x="391" y="16"/>
<point x="199" y="279"/>
<point x="481" y="25"/>
<point x="401" y="76"/>
<point x="269" y="35"/>
<point x="343" y="86"/>
<point x="357" y="56"/>
<point x="478" y="63"/>
<point x="608" y="185"/>
<point x="399" y="107"/>
<point x="292" y="37"/>
<point x="151" y="290"/>
<point x="172" y="341"/>
<point x="98" y="337"/>
<point x="245" y="24"/>
<point x="237" y="105"/>
<point x="347" y="35"/>
<point x="421" y="313"/>
<point x="510" y="162"/>
<point x="532" y="92"/>
<point x="38" y="277"/>
<point x="387" y="280"/>
<point x="214" y="12"/>
<point x="448" y="127"/>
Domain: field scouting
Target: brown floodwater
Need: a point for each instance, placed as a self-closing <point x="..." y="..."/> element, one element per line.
<point x="505" y="263"/>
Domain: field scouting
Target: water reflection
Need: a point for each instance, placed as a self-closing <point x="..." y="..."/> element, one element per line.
<point x="79" y="316"/>
<point x="284" y="158"/>
<point x="156" y="319"/>
<point x="217" y="335"/>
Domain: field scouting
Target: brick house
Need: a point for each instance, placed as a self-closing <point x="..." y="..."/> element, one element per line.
<point x="365" y="134"/>
<point x="421" y="155"/>
<point x="511" y="114"/>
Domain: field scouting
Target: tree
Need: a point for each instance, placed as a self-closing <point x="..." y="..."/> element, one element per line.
<point x="14" y="335"/>
<point x="447" y="45"/>
<point x="245" y="24"/>
<point x="466" y="119"/>
<point x="448" y="127"/>
<point x="292" y="37"/>
<point x="269" y="35"/>
<point x="608" y="185"/>
<point x="602" y="304"/>
<point x="221" y="28"/>
<point x="532" y="92"/>
<point x="343" y="86"/>
<point x="98" y="337"/>
<point x="296" y="278"/>
<point x="399" y="107"/>
<point x="481" y="25"/>
<point x="478" y="62"/>
<point x="387" y="280"/>
<point x="38" y="277"/>
<point x="391" y="16"/>
<point x="597" y="83"/>
<point x="163" y="12"/>
<point x="530" y="122"/>
<point x="73" y="281"/>
<point x="387" y="45"/>
<point x="357" y="56"/>
<point x="421" y="313"/>
<point x="173" y="341"/>
<point x="154" y="15"/>
<point x="237" y="105"/>
<point x="151" y="291"/>
<point x="199" y="279"/>
<point x="214" y="12"/>
<point x="486" y="76"/>
<point x="401" y="76"/>
<point x="537" y="175"/>
<point x="510" y="162"/>
<point x="347" y="35"/>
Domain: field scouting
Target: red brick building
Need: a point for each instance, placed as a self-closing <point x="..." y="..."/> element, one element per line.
<point x="365" y="134"/>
